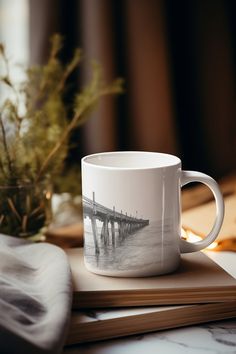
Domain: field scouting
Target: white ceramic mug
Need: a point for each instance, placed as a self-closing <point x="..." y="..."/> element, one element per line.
<point x="132" y="207"/>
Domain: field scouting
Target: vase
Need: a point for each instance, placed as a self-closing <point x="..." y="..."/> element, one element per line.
<point x="25" y="209"/>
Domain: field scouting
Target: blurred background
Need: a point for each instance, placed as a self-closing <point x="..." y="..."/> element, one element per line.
<point x="177" y="59"/>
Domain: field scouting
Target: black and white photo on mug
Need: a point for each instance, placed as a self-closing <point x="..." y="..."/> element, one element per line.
<point x="128" y="221"/>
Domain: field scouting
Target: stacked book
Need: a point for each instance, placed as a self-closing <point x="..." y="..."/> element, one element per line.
<point x="105" y="307"/>
<point x="200" y="291"/>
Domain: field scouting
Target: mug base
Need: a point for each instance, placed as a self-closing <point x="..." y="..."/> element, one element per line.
<point x="150" y="272"/>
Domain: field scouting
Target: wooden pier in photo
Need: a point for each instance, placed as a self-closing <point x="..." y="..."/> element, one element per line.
<point x="126" y="224"/>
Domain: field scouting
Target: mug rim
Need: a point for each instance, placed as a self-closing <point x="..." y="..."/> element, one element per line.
<point x="174" y="161"/>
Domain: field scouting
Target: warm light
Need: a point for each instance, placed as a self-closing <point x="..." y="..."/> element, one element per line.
<point x="190" y="236"/>
<point x="48" y="195"/>
<point x="212" y="245"/>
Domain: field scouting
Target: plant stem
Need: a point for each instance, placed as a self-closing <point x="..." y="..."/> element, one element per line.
<point x="2" y="168"/>
<point x="74" y="122"/>
<point x="13" y="209"/>
<point x="6" y="148"/>
<point x="9" y="83"/>
<point x="57" y="146"/>
<point x="69" y="69"/>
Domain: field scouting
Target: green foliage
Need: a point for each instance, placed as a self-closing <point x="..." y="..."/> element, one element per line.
<point x="34" y="145"/>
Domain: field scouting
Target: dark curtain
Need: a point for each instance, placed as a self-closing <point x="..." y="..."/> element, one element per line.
<point x="177" y="58"/>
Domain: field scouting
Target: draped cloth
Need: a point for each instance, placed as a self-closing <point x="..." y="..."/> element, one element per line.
<point x="35" y="297"/>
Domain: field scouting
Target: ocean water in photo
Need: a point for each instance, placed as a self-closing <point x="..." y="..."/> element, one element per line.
<point x="148" y="247"/>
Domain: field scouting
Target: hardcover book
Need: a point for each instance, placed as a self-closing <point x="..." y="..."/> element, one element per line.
<point x="197" y="280"/>
<point x="99" y="324"/>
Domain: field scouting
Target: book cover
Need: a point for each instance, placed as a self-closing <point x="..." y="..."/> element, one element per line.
<point x="197" y="280"/>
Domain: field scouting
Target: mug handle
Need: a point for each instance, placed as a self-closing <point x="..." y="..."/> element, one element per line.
<point x="193" y="176"/>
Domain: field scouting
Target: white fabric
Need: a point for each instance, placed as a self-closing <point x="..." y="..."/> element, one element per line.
<point x="35" y="297"/>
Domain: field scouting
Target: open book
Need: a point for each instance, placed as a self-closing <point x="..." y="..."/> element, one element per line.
<point x="198" y="280"/>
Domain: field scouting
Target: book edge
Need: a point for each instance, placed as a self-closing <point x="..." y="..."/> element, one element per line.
<point x="145" y="323"/>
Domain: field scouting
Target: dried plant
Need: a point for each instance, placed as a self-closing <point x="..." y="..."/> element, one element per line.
<point x="34" y="144"/>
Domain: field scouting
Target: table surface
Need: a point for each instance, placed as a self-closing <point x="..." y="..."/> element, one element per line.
<point x="215" y="337"/>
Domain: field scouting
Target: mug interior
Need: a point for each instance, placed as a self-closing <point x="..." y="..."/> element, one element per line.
<point x="132" y="160"/>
